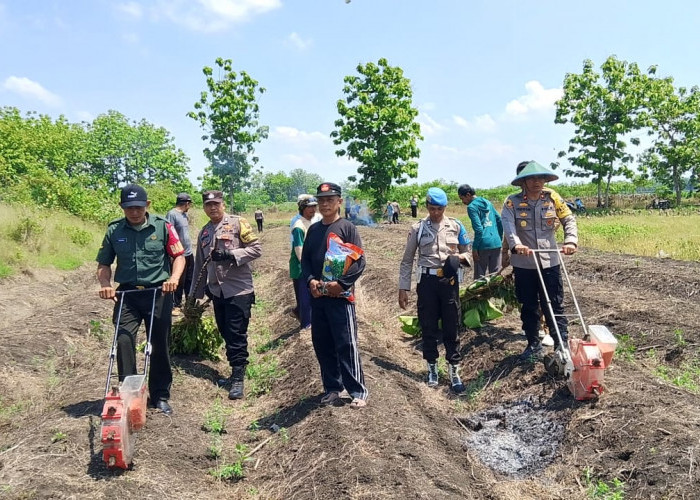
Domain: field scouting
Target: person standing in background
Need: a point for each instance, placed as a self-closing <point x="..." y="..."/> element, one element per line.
<point x="179" y="219"/>
<point x="259" y="219"/>
<point x="396" y="212"/>
<point x="488" y="232"/>
<point x="414" y="206"/>
<point x="307" y="210"/>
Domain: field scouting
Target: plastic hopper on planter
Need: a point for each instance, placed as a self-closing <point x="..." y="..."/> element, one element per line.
<point x="584" y="360"/>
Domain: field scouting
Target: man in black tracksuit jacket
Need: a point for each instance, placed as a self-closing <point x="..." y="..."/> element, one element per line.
<point x="333" y="319"/>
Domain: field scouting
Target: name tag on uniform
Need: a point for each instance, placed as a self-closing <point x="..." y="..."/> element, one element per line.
<point x="121" y="240"/>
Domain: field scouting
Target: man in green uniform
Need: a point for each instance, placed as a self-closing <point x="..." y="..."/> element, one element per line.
<point x="143" y="245"/>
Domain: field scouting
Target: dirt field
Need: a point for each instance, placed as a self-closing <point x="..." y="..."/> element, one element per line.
<point x="410" y="442"/>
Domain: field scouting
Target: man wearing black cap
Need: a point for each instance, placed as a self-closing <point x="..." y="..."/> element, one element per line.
<point x="232" y="245"/>
<point x="529" y="222"/>
<point x="143" y="245"/>
<point x="179" y="219"/>
<point x="333" y="319"/>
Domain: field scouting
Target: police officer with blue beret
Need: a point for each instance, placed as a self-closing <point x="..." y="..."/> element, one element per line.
<point x="442" y="245"/>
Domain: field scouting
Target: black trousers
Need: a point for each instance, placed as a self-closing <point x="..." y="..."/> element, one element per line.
<point x="260" y="223"/>
<point x="437" y="299"/>
<point x="183" y="287"/>
<point x="414" y="212"/>
<point x="334" y="336"/>
<point x="395" y="218"/>
<point x="532" y="299"/>
<point x="137" y="309"/>
<point x="232" y="318"/>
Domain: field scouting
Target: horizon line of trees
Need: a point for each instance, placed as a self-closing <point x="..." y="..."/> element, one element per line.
<point x="80" y="166"/>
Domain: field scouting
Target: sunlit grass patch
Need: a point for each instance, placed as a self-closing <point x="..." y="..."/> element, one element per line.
<point x="651" y="235"/>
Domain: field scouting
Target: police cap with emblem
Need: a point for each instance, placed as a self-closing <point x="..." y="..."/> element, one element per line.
<point x="328" y="189"/>
<point x="133" y="195"/>
<point x="212" y="195"/>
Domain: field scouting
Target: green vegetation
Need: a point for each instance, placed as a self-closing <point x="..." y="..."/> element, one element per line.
<point x="232" y="471"/>
<point x="262" y="372"/>
<point x="599" y="489"/>
<point x="57" y="165"/>
<point x="378" y="129"/>
<point x="33" y="238"/>
<point x="625" y="347"/>
<point x="58" y="436"/>
<point x="474" y="387"/>
<point x="687" y="376"/>
<point x="196" y="334"/>
<point x="677" y="236"/>
<point x="97" y="329"/>
<point x="228" y="113"/>
<point x="215" y="418"/>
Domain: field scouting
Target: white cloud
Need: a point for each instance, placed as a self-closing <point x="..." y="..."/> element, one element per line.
<point x="31" y="90"/>
<point x="481" y="123"/>
<point x="537" y="100"/>
<point x="131" y="9"/>
<point x="298" y="137"/>
<point x="212" y="15"/>
<point x="295" y="40"/>
<point x="428" y="126"/>
<point x="427" y="106"/>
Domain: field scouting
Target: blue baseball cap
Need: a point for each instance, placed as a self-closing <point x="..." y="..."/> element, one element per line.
<point x="436" y="196"/>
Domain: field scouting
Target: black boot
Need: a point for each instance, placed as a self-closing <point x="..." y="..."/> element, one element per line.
<point x="237" y="377"/>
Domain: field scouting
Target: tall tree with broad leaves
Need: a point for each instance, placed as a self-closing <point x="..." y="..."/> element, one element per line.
<point x="228" y="112"/>
<point x="123" y="152"/>
<point x="673" y="120"/>
<point x="604" y="109"/>
<point x="378" y="127"/>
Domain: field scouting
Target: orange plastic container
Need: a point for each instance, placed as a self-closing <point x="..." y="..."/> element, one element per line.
<point x="606" y="342"/>
<point x="586" y="381"/>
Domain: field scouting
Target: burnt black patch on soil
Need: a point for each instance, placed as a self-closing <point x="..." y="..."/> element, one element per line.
<point x="516" y="439"/>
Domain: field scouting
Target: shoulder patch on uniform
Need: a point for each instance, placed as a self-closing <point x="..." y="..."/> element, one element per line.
<point x="115" y="221"/>
<point x="247" y="234"/>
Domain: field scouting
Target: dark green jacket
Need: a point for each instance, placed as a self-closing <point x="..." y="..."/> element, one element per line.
<point x="143" y="256"/>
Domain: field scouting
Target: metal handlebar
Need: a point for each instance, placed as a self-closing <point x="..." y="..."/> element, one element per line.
<point x="113" y="351"/>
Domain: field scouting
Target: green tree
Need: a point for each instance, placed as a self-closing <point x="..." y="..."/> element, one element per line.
<point x="673" y="120"/>
<point x="604" y="109"/>
<point x="229" y="113"/>
<point x="377" y="125"/>
<point x="303" y="182"/>
<point x="277" y="186"/>
<point x="122" y="152"/>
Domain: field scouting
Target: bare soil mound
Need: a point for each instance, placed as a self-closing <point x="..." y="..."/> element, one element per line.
<point x="411" y="441"/>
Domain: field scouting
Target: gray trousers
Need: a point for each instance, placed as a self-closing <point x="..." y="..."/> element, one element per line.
<point x="489" y="262"/>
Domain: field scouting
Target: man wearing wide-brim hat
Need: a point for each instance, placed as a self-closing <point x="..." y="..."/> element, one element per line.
<point x="529" y="222"/>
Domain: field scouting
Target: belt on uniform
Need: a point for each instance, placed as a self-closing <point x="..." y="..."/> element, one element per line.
<point x="431" y="271"/>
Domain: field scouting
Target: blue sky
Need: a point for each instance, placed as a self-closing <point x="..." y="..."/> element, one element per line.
<point x="485" y="74"/>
